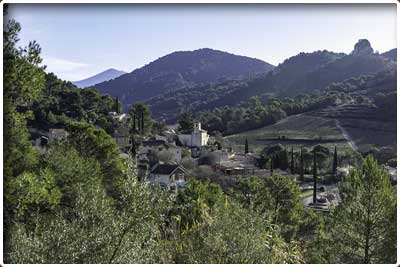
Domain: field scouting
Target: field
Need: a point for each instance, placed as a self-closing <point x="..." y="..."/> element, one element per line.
<point x="301" y="130"/>
<point x="363" y="125"/>
<point x="346" y="127"/>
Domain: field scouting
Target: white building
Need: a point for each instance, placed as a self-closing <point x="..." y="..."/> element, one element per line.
<point x="170" y="175"/>
<point x="197" y="138"/>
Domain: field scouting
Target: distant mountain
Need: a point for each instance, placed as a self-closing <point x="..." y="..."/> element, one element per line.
<point x="391" y="54"/>
<point x="179" y="70"/>
<point x="303" y="73"/>
<point x="98" y="78"/>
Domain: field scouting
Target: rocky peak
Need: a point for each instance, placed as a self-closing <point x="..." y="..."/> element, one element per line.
<point x="362" y="47"/>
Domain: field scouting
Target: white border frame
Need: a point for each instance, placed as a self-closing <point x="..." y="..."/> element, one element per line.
<point x="187" y="2"/>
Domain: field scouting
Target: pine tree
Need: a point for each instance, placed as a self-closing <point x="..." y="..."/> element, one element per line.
<point x="363" y="226"/>
<point x="142" y="122"/>
<point x="246" y="147"/>
<point x="334" y="165"/>
<point x="315" y="177"/>
<point x="292" y="162"/>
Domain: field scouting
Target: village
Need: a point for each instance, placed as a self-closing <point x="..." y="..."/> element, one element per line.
<point x="171" y="157"/>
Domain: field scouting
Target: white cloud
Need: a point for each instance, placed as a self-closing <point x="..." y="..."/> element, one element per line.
<point x="66" y="69"/>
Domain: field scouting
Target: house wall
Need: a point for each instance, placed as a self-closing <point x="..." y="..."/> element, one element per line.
<point x="185" y="139"/>
<point x="160" y="178"/>
<point x="204" y="138"/>
<point x="197" y="139"/>
<point x="165" y="179"/>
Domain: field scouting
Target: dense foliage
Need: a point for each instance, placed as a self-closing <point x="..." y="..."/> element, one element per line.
<point x="61" y="102"/>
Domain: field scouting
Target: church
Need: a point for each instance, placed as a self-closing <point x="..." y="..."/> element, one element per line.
<point x="197" y="138"/>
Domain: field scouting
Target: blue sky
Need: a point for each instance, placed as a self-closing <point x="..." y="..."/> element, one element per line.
<point x="80" y="40"/>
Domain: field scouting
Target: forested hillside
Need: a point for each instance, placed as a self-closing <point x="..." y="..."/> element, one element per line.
<point x="303" y="73"/>
<point x="391" y="54"/>
<point x="377" y="91"/>
<point x="178" y="70"/>
<point x="61" y="102"/>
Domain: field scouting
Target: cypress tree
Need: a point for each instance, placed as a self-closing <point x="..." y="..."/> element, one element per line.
<point x="285" y="163"/>
<point x="277" y="160"/>
<point x="133" y="146"/>
<point x="335" y="164"/>
<point x="272" y="166"/>
<point x="246" y="147"/>
<point x="134" y="124"/>
<point x="116" y="105"/>
<point x="292" y="162"/>
<point x="142" y="123"/>
<point x="301" y="165"/>
<point x="133" y="132"/>
<point x="139" y="124"/>
<point x="315" y="177"/>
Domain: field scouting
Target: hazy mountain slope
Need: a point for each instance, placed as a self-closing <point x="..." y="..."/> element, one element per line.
<point x="303" y="73"/>
<point x="98" y="78"/>
<point x="391" y="54"/>
<point x="182" y="70"/>
<point x="327" y="67"/>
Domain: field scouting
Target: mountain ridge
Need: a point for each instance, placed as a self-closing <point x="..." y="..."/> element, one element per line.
<point x="99" y="77"/>
<point x="302" y="73"/>
<point x="182" y="69"/>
